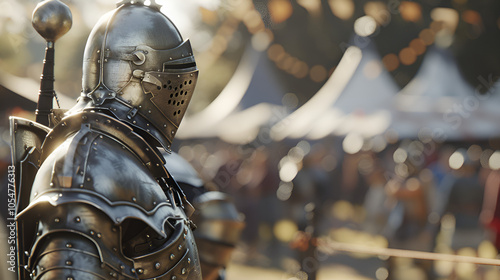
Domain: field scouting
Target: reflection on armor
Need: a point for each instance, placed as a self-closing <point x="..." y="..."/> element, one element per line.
<point x="95" y="200"/>
<point x="218" y="222"/>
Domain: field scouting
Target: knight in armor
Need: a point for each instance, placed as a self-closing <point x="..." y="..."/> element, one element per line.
<point x="95" y="198"/>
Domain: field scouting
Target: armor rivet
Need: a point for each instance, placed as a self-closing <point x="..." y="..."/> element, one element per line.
<point x="183" y="271"/>
<point x="157" y="265"/>
<point x="51" y="185"/>
<point x="134" y="199"/>
<point x="95" y="143"/>
<point x="164" y="125"/>
<point x="122" y="266"/>
<point x="154" y="202"/>
<point x="132" y="270"/>
<point x="134" y="122"/>
<point x="42" y="268"/>
<point x="182" y="55"/>
<point x="84" y="117"/>
<point x="189" y="260"/>
<point x="39" y="233"/>
<point x="92" y="232"/>
<point x="106" y="60"/>
<point x="147" y="130"/>
<point x="113" y="229"/>
<point x="57" y="220"/>
<point x="172" y="256"/>
<point x="184" y="237"/>
<point x="98" y="51"/>
<point x="140" y="271"/>
<point x="173" y="132"/>
<point x="77" y="219"/>
<point x="98" y="61"/>
<point x="113" y="274"/>
<point x="81" y="186"/>
<point x="88" y="179"/>
<point x="35" y="194"/>
<point x="179" y="247"/>
<point x="148" y="123"/>
<point x="81" y="172"/>
<point x="178" y="76"/>
<point x="99" y="235"/>
<point x="69" y="263"/>
<point x="147" y="149"/>
<point x="69" y="245"/>
<point x="70" y="278"/>
<point x="115" y="249"/>
<point x="174" y="277"/>
<point x="170" y="58"/>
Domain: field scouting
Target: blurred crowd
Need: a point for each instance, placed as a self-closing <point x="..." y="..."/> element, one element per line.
<point x="408" y="194"/>
<point x="385" y="193"/>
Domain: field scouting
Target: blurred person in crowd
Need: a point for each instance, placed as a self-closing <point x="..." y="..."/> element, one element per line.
<point x="311" y="191"/>
<point x="490" y="212"/>
<point x="443" y="180"/>
<point x="353" y="185"/>
<point x="465" y="201"/>
<point x="408" y="192"/>
<point x="375" y="203"/>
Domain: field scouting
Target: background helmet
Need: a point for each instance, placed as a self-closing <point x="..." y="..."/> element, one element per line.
<point x="137" y="66"/>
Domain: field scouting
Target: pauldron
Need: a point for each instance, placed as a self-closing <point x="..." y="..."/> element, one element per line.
<point x="101" y="203"/>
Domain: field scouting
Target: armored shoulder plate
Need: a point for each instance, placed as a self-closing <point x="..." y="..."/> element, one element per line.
<point x="101" y="201"/>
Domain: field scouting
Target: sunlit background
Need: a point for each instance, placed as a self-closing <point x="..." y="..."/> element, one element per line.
<point x="370" y="123"/>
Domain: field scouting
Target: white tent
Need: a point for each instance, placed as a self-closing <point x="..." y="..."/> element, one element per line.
<point x="251" y="99"/>
<point x="364" y="106"/>
<point x="441" y="103"/>
<point x="299" y="123"/>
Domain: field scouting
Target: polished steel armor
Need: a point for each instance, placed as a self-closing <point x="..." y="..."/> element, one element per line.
<point x="137" y="64"/>
<point x="95" y="199"/>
